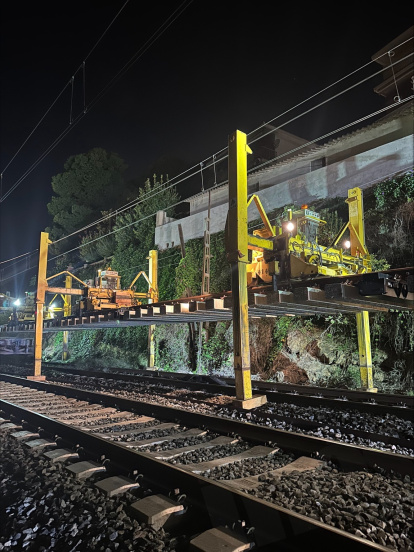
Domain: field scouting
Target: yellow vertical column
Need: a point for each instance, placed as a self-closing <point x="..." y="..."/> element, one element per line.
<point x="356" y="221"/>
<point x="40" y="301"/>
<point x="67" y="311"/>
<point x="236" y="243"/>
<point x="153" y="278"/>
<point x="364" y="347"/>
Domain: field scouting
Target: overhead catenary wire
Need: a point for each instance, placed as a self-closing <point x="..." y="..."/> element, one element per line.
<point x="164" y="26"/>
<point x="177" y="203"/>
<point x="162" y="188"/>
<point x="149" y="42"/>
<point x="199" y="167"/>
<point x="64" y="88"/>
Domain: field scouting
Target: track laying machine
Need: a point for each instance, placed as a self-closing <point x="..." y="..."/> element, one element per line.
<point x="290" y="251"/>
<point x="105" y="293"/>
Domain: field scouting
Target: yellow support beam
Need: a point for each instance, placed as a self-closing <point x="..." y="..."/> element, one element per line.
<point x="237" y="254"/>
<point x="153" y="293"/>
<point x="67" y="311"/>
<point x="40" y="301"/>
<point x="364" y="348"/>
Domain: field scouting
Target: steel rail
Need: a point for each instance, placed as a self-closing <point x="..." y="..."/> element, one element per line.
<point x="210" y="502"/>
<point x="345" y="455"/>
<point x="298" y="395"/>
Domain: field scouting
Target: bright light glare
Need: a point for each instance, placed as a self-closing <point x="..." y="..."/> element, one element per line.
<point x="52" y="306"/>
<point x="290" y="226"/>
<point x="347" y="244"/>
<point x="16" y="303"/>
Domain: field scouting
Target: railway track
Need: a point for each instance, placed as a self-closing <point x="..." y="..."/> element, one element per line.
<point x="343" y="421"/>
<point x="237" y="472"/>
<point x="302" y="395"/>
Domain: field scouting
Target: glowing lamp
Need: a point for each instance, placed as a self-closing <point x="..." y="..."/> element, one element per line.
<point x="17" y="303"/>
<point x="347" y="244"/>
<point x="290" y="226"/>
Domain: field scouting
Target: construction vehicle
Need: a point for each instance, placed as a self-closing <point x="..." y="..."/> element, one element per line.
<point x="291" y="250"/>
<point x="105" y="293"/>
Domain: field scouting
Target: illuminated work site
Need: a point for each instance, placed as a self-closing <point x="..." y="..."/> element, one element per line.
<point x="229" y="370"/>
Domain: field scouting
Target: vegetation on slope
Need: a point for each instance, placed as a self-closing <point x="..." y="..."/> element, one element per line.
<point x="319" y="350"/>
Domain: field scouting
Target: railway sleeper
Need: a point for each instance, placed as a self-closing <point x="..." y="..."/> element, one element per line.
<point x="220" y="539"/>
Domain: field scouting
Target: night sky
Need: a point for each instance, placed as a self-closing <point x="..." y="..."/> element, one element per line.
<point x="220" y="66"/>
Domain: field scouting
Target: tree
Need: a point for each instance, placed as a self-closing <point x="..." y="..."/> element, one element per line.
<point x="135" y="230"/>
<point x="91" y="183"/>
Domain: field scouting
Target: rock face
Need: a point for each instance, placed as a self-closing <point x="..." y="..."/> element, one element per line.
<point x="290" y="350"/>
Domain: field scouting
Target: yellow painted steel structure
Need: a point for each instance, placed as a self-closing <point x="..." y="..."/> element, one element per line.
<point x="289" y="251"/>
<point x="153" y="291"/>
<point x="237" y="254"/>
<point x="364" y="349"/>
<point x="40" y="301"/>
<point x="67" y="311"/>
<point x="67" y="291"/>
<point x="293" y="252"/>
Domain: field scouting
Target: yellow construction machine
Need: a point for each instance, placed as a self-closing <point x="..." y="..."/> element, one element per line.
<point x="106" y="292"/>
<point x="290" y="250"/>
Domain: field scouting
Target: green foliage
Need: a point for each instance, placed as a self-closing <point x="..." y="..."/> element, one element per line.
<point x="218" y="348"/>
<point x="99" y="244"/>
<point x="189" y="270"/>
<point x="4" y="316"/>
<point x="167" y="264"/>
<point x="220" y="278"/>
<point x="391" y="193"/>
<point x="135" y="230"/>
<point x="389" y="224"/>
<point x="378" y="264"/>
<point x="280" y="332"/>
<point x="393" y="331"/>
<point x="107" y="348"/>
<point x="91" y="183"/>
<point x="327" y="232"/>
<point x="341" y="325"/>
<point x="171" y="351"/>
<point x="341" y="377"/>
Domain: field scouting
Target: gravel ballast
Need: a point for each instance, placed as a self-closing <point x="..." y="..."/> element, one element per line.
<point x="43" y="508"/>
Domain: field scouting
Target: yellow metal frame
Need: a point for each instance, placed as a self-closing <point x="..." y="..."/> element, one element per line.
<point x="40" y="301"/>
<point x="153" y="291"/>
<point x="355" y="224"/>
<point x="237" y="254"/>
<point x="364" y="349"/>
<point x="337" y="263"/>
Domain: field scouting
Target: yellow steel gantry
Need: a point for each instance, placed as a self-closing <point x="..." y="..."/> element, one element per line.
<point x="296" y="257"/>
<point x="67" y="291"/>
<point x="237" y="254"/>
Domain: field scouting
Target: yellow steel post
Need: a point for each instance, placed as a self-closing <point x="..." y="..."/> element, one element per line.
<point x="356" y="222"/>
<point x="153" y="278"/>
<point x="237" y="252"/>
<point x="364" y="347"/>
<point x="40" y="301"/>
<point x="67" y="311"/>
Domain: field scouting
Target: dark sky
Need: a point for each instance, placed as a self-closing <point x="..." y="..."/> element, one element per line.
<point x="220" y="66"/>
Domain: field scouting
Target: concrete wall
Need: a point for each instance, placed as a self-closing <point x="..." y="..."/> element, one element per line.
<point x="363" y="170"/>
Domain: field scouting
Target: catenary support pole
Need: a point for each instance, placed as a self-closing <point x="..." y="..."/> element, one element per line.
<point x="236" y="245"/>
<point x="364" y="347"/>
<point x="40" y="301"/>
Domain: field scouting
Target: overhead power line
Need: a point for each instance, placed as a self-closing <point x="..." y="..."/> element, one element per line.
<point x="73" y="122"/>
<point x="211" y="160"/>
